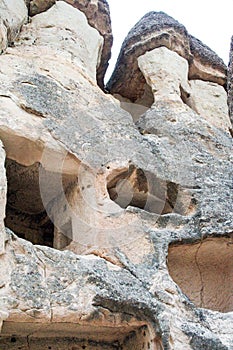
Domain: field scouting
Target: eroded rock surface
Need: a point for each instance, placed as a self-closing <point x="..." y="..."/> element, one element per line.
<point x="230" y="83"/>
<point x="3" y="189"/>
<point x="100" y="211"/>
<point x="13" y="15"/>
<point x="98" y="16"/>
<point x="154" y="30"/>
<point x="201" y="265"/>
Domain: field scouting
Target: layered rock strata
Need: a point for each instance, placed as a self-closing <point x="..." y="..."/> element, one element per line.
<point x="154" y="30"/>
<point x="98" y="215"/>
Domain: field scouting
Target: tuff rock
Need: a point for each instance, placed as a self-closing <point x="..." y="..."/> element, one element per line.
<point x="116" y="219"/>
<point x="154" y="30"/>
<point x="98" y="16"/>
<point x="13" y="15"/>
<point x="230" y="82"/>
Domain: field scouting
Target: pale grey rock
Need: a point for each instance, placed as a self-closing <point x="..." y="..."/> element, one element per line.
<point x="3" y="190"/>
<point x="123" y="199"/>
<point x="3" y="37"/>
<point x="167" y="74"/>
<point x="230" y="83"/>
<point x="80" y="43"/>
<point x="13" y="14"/>
<point x="210" y="101"/>
<point x="98" y="16"/>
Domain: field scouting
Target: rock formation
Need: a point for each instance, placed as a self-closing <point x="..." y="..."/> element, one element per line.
<point x="230" y="83"/>
<point x="115" y="229"/>
<point x="98" y="16"/>
<point x="154" y="30"/>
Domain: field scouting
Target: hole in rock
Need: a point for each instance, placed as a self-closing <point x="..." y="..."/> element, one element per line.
<point x="77" y="337"/>
<point x="26" y="215"/>
<point x="142" y="189"/>
<point x="185" y="97"/>
<point x="204" y="272"/>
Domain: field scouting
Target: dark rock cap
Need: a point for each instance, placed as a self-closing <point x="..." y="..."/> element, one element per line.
<point x="206" y="57"/>
<point x="154" y="30"/>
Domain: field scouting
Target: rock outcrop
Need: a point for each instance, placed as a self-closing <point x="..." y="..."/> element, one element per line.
<point x="154" y="30"/>
<point x="13" y="15"/>
<point x="114" y="233"/>
<point x="98" y="16"/>
<point x="230" y="84"/>
<point x="3" y="190"/>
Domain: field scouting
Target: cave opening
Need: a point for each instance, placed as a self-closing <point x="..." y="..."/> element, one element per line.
<point x="26" y="213"/>
<point x="70" y="336"/>
<point x="143" y="189"/>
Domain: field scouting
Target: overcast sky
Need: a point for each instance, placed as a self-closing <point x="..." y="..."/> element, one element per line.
<point x="211" y="21"/>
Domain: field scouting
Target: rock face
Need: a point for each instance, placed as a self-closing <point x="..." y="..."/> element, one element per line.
<point x="114" y="233"/>
<point x="98" y="16"/>
<point x="154" y="30"/>
<point x="230" y="83"/>
<point x="3" y="190"/>
<point x="13" y="15"/>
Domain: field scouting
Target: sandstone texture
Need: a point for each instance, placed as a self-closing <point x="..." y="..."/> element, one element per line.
<point x="116" y="221"/>
<point x="98" y="16"/>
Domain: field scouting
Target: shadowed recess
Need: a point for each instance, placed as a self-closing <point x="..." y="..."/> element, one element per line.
<point x="204" y="272"/>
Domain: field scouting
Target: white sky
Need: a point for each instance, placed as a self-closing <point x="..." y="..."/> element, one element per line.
<point x="211" y="21"/>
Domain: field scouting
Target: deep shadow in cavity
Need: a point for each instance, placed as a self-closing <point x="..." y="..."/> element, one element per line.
<point x="142" y="189"/>
<point x="25" y="212"/>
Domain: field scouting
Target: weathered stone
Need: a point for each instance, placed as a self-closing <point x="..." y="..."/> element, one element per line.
<point x="205" y="64"/>
<point x="230" y="83"/>
<point x="38" y="6"/>
<point x="210" y="101"/>
<point x="196" y="268"/>
<point x="3" y="190"/>
<point x="98" y="16"/>
<point x="166" y="73"/>
<point x="3" y="37"/>
<point x="13" y="14"/>
<point x="80" y="43"/>
<point x="108" y="205"/>
<point x="154" y="30"/>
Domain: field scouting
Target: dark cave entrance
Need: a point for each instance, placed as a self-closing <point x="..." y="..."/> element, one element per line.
<point x="32" y="193"/>
<point x="25" y="212"/>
